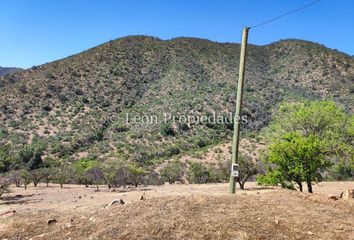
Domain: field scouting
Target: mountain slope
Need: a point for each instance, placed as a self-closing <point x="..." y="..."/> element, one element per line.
<point x="74" y="104"/>
<point x="7" y="70"/>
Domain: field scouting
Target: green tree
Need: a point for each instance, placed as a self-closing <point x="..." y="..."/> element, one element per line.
<point x="197" y="173"/>
<point x="122" y="174"/>
<point x="297" y="158"/>
<point x="47" y="174"/>
<point x="4" y="185"/>
<point x="136" y="174"/>
<point x="172" y="172"/>
<point x="25" y="178"/>
<point x="95" y="175"/>
<point x="306" y="137"/>
<point x="247" y="169"/>
<point x="116" y="173"/>
<point x="343" y="170"/>
<point x="217" y="174"/>
<point x="109" y="171"/>
<point x="81" y="167"/>
<point x="154" y="178"/>
<point x="36" y="176"/>
<point x="29" y="157"/>
<point x="15" y="177"/>
<point x="323" y="119"/>
<point x="63" y="173"/>
<point x="5" y="158"/>
<point x="320" y="118"/>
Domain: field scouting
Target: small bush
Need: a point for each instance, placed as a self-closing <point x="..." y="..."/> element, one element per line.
<point x="166" y="130"/>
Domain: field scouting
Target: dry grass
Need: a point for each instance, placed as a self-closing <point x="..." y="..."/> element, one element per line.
<point x="274" y="214"/>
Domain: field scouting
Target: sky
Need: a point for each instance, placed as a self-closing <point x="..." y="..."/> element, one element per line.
<point x="33" y="32"/>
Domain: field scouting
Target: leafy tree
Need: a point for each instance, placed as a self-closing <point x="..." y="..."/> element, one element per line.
<point x="217" y="174"/>
<point x="29" y="157"/>
<point x="153" y="178"/>
<point x="4" y="185"/>
<point x="115" y="173"/>
<point x="306" y="137"/>
<point x="298" y="158"/>
<point x="47" y="174"/>
<point x="136" y="174"/>
<point x="50" y="162"/>
<point x="61" y="176"/>
<point x="81" y="167"/>
<point x="122" y="174"/>
<point x="5" y="158"/>
<point x="275" y="176"/>
<point x="95" y="174"/>
<point x="343" y="170"/>
<point x="63" y="173"/>
<point x="172" y="172"/>
<point x="322" y="119"/>
<point x="247" y="169"/>
<point x="109" y="171"/>
<point x="25" y="178"/>
<point x="197" y="173"/>
<point x="15" y="178"/>
<point x="36" y="176"/>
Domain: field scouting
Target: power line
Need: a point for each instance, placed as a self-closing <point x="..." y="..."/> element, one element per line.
<point x="285" y="14"/>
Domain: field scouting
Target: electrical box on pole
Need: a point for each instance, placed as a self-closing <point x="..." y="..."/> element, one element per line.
<point x="234" y="170"/>
<point x="237" y="117"/>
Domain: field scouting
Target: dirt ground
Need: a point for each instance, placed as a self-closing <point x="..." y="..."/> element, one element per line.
<point x="177" y="212"/>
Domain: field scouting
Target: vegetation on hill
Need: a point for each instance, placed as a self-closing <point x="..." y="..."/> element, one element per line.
<point x="92" y="105"/>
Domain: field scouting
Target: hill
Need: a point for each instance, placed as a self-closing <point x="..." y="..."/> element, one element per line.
<point x="8" y="70"/>
<point x="79" y="106"/>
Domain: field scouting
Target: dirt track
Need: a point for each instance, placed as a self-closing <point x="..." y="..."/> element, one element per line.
<point x="184" y="212"/>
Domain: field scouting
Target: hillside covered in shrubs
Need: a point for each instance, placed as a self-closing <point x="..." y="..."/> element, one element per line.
<point x="128" y="101"/>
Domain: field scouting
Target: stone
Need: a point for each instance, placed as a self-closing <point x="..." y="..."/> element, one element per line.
<point x="347" y="194"/>
<point x="116" y="202"/>
<point x="51" y="221"/>
<point x="333" y="197"/>
<point x="68" y="225"/>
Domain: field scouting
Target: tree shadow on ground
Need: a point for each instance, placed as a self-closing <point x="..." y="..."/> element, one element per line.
<point x="18" y="199"/>
<point x="259" y="188"/>
<point x="128" y="189"/>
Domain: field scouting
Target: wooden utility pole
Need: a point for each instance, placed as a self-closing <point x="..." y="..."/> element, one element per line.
<point x="237" y="118"/>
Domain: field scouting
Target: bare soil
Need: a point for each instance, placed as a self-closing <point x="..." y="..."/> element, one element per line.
<point x="177" y="212"/>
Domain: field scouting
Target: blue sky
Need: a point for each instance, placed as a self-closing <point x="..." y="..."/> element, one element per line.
<point x="34" y="32"/>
